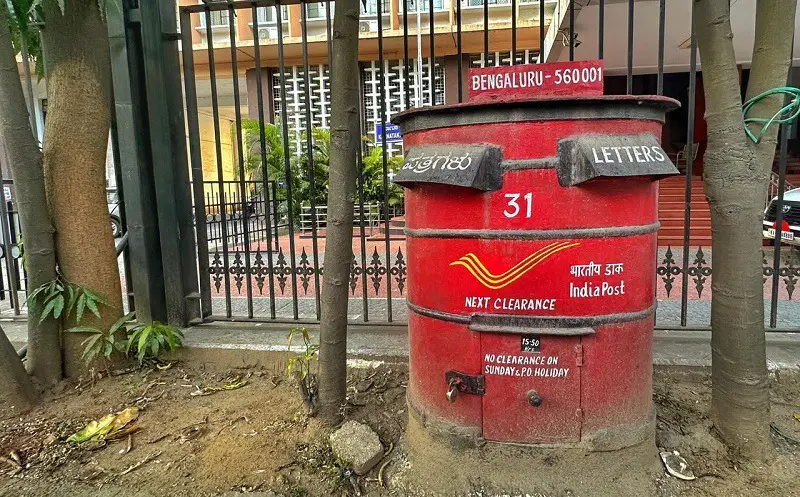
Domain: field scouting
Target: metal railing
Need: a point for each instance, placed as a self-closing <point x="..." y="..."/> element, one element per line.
<point x="288" y="89"/>
<point x="371" y="213"/>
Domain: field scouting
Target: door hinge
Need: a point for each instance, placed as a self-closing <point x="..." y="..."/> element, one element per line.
<point x="579" y="355"/>
<point x="465" y="383"/>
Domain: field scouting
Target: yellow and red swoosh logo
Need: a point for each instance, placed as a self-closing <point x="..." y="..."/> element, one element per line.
<point x="497" y="281"/>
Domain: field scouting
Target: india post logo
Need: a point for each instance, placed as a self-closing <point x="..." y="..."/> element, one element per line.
<point x="498" y="281"/>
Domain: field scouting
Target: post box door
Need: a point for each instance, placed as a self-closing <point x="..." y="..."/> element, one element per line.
<point x="521" y="373"/>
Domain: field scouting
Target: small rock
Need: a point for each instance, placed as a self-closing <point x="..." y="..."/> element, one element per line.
<point x="358" y="446"/>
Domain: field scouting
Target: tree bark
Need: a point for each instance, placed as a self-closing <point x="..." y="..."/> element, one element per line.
<point x="735" y="174"/>
<point x="75" y="48"/>
<point x="16" y="390"/>
<point x="44" y="340"/>
<point x="341" y="194"/>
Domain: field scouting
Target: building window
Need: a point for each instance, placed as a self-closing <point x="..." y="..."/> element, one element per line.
<point x="296" y="101"/>
<point x="394" y="92"/>
<point x="316" y="11"/>
<point x="479" y="3"/>
<point x="218" y="18"/>
<point x="424" y="5"/>
<point x="372" y="7"/>
<point x="504" y="58"/>
<point x="267" y="15"/>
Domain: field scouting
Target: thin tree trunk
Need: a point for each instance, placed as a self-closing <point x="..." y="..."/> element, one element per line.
<point x="341" y="192"/>
<point x="16" y="389"/>
<point x="44" y="340"/>
<point x="75" y="48"/>
<point x="735" y="174"/>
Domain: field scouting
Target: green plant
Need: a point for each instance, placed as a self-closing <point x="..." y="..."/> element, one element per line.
<point x="301" y="367"/>
<point x="373" y="176"/>
<point x="152" y="340"/>
<point x="60" y="297"/>
<point x="102" y="342"/>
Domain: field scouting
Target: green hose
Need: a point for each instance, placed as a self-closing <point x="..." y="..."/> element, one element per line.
<point x="787" y="114"/>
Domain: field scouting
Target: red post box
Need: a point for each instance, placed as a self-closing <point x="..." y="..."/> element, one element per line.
<point x="531" y="230"/>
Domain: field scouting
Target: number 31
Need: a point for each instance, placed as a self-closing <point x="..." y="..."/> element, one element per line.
<point x="513" y="208"/>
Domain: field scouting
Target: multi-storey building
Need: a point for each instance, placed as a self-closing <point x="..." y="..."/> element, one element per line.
<point x="431" y="79"/>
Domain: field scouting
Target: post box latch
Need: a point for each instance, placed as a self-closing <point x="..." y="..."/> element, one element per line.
<point x="458" y="382"/>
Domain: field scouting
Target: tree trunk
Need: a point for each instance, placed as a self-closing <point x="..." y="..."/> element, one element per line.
<point x="16" y="390"/>
<point x="75" y="48"/>
<point x="44" y="340"/>
<point x="341" y="193"/>
<point x="735" y="174"/>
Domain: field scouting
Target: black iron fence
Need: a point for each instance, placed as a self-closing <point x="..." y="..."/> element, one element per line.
<point x="257" y="89"/>
<point x="13" y="271"/>
<point x="12" y="268"/>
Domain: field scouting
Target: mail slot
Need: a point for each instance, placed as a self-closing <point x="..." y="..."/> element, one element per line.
<point x="531" y="231"/>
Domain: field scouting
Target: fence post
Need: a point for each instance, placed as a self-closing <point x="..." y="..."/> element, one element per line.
<point x="137" y="176"/>
<point x="152" y="144"/>
<point x="167" y="138"/>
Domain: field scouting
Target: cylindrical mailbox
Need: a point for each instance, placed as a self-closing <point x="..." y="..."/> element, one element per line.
<point x="531" y="230"/>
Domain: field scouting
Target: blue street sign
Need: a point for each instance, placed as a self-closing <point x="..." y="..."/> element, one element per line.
<point x="392" y="133"/>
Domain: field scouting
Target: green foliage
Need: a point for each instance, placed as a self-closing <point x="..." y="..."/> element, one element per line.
<point x="373" y="177"/>
<point x="151" y="340"/>
<point x="146" y="341"/>
<point x="320" y="147"/>
<point x="300" y="172"/>
<point x="23" y="30"/>
<point x="59" y="297"/>
<point x="102" y="342"/>
<point x="275" y="165"/>
<point x="301" y="365"/>
<point x="273" y="140"/>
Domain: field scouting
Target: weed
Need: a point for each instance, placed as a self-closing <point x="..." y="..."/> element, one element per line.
<point x="301" y="368"/>
<point x="152" y="340"/>
<point x="102" y="342"/>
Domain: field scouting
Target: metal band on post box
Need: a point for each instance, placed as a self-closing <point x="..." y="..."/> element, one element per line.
<point x="472" y="166"/>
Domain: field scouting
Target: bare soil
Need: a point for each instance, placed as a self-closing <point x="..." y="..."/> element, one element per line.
<point x="258" y="438"/>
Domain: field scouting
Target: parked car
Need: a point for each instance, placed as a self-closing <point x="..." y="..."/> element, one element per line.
<point x="790" y="231"/>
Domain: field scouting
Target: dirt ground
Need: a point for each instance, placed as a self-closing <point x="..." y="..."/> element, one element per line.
<point x="259" y="439"/>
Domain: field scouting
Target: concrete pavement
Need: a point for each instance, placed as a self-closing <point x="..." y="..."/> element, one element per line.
<point x="671" y="347"/>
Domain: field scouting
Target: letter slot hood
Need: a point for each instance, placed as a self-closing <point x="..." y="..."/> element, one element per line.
<point x="583" y="158"/>
<point x="472" y="166"/>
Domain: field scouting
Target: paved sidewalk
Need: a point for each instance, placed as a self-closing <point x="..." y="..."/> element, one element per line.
<point x="671" y="347"/>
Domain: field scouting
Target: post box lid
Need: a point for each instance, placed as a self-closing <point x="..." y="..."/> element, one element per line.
<point x="472" y="166"/>
<point x="646" y="107"/>
<point x="585" y="157"/>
